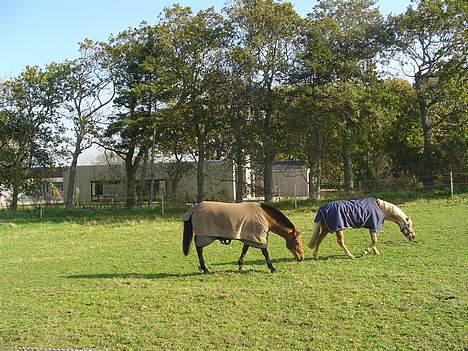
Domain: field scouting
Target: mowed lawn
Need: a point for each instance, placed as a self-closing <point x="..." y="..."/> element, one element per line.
<point x="117" y="280"/>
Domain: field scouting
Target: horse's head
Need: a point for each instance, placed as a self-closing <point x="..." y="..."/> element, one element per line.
<point x="407" y="230"/>
<point x="294" y="244"/>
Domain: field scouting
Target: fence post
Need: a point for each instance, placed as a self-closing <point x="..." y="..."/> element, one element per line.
<point x="162" y="203"/>
<point x="451" y="184"/>
<point x="295" y="196"/>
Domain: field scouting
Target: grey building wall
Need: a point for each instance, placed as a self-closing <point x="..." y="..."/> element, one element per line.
<point x="219" y="182"/>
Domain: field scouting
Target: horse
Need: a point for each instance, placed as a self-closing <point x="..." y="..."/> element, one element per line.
<point x="247" y="222"/>
<point x="368" y="213"/>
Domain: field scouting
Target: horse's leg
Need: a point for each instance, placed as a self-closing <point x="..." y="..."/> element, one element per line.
<point x="373" y="246"/>
<point x="267" y="259"/>
<point x="315" y="234"/>
<point x="374" y="242"/>
<point x="322" y="234"/>
<point x="369" y="248"/>
<point x="202" y="260"/>
<point x="245" y="248"/>
<point x="340" y="240"/>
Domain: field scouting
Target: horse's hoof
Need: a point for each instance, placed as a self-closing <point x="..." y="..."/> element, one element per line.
<point x="241" y="269"/>
<point x="273" y="270"/>
<point x="365" y="253"/>
<point x="204" y="270"/>
<point x="352" y="257"/>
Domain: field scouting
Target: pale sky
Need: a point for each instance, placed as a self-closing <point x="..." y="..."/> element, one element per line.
<point x="38" y="32"/>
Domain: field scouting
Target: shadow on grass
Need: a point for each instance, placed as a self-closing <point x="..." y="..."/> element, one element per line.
<point x="261" y="262"/>
<point x="332" y="257"/>
<point x="152" y="276"/>
<point x="132" y="275"/>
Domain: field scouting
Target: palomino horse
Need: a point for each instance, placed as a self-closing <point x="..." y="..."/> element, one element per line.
<point x="247" y="222"/>
<point x="368" y="213"/>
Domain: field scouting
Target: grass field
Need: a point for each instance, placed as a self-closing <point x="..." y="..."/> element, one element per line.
<point x="117" y="280"/>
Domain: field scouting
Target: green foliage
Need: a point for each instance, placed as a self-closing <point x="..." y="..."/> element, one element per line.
<point x="30" y="129"/>
<point x="402" y="139"/>
<point x="342" y="40"/>
<point x="264" y="35"/>
<point x="430" y="39"/>
<point x="256" y="83"/>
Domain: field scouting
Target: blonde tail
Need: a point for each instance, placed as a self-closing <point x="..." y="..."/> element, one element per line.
<point x="315" y="235"/>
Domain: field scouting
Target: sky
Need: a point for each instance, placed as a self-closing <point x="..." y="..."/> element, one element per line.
<point x="38" y="32"/>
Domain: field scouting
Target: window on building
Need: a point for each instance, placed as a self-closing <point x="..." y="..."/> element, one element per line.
<point x="105" y="190"/>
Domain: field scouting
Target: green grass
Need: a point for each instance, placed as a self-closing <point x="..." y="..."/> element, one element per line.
<point x="117" y="280"/>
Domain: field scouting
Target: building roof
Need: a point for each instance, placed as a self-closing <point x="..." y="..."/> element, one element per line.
<point x="289" y="165"/>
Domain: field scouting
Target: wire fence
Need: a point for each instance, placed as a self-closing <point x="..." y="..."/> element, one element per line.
<point x="448" y="185"/>
<point x="451" y="182"/>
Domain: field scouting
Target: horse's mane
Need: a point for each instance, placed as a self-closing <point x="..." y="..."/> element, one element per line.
<point x="392" y="209"/>
<point x="277" y="215"/>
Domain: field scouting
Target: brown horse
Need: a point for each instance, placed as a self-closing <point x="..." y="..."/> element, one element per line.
<point x="247" y="222"/>
<point x="366" y="213"/>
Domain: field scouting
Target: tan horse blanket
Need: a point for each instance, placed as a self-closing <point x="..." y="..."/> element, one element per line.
<point x="243" y="221"/>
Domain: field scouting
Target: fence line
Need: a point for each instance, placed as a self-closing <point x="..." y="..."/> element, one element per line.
<point x="452" y="183"/>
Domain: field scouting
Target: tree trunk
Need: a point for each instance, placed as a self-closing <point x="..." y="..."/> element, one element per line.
<point x="347" y="163"/>
<point x="318" y="162"/>
<point x="71" y="175"/>
<point x="175" y="172"/>
<point x="428" y="180"/>
<point x="14" y="198"/>
<point x="200" y="170"/>
<point x="311" y="184"/>
<point x="130" y="193"/>
<point x="238" y="124"/>
<point x="130" y="201"/>
<point x="240" y="182"/>
<point x="268" y="158"/>
<point x="130" y="170"/>
<point x="268" y="176"/>
<point x="142" y="183"/>
<point x="151" y="184"/>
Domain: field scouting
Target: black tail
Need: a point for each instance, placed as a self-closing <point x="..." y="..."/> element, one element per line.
<point x="188" y="236"/>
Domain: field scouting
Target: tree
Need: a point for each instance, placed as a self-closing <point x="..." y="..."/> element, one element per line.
<point x="430" y="39"/>
<point x="193" y="46"/>
<point x="129" y="133"/>
<point x="88" y="89"/>
<point x="402" y="141"/>
<point x="239" y="137"/>
<point x="30" y="129"/>
<point x="265" y="33"/>
<point x="338" y="52"/>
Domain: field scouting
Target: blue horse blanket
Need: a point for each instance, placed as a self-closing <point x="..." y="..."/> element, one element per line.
<point x="361" y="213"/>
